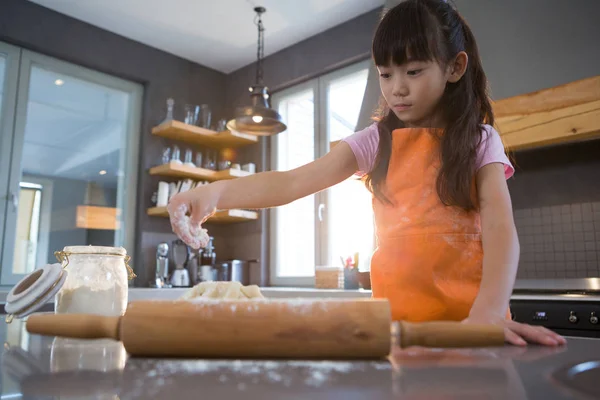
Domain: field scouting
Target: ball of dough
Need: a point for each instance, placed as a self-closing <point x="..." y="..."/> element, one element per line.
<point x="223" y="291"/>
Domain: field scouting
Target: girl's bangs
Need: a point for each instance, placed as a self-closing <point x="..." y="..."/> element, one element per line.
<point x="405" y="34"/>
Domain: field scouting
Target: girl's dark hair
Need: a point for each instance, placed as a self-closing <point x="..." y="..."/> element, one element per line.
<point x="432" y="30"/>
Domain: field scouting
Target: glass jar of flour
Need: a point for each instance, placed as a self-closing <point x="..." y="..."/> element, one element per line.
<point x="96" y="280"/>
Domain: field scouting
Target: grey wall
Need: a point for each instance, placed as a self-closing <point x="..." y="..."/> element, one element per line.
<point x="163" y="75"/>
<point x="556" y="197"/>
<point x="534" y="44"/>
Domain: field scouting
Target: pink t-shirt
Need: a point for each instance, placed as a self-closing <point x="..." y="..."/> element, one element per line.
<point x="491" y="150"/>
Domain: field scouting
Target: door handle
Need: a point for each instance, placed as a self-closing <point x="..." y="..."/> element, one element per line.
<point x="14" y="199"/>
<point x="320" y="212"/>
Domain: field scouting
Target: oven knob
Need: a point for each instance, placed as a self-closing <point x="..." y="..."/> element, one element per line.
<point x="573" y="318"/>
<point x="593" y="318"/>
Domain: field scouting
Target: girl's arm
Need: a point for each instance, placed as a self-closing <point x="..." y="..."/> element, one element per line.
<point x="500" y="261"/>
<point x="275" y="188"/>
<point x="263" y="190"/>
<point x="500" y="241"/>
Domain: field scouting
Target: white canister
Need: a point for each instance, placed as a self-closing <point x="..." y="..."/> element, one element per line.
<point x="163" y="194"/>
<point x="250" y="167"/>
<point x="96" y="281"/>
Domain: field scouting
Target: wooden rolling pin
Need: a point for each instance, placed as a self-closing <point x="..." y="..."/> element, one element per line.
<point x="309" y="329"/>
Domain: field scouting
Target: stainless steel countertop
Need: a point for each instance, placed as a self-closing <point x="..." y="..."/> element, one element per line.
<point x="36" y="367"/>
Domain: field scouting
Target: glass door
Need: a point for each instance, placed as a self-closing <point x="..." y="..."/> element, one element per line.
<point x="9" y="70"/>
<point x="73" y="156"/>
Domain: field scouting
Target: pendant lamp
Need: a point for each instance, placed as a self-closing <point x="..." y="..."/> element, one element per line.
<point x="258" y="119"/>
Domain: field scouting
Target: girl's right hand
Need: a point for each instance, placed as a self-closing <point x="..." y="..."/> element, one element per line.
<point x="189" y="210"/>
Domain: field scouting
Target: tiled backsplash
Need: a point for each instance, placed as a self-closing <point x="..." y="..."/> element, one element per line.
<point x="559" y="241"/>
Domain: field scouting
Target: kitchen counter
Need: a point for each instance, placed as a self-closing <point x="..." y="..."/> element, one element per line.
<point x="36" y="367"/>
<point x="288" y="292"/>
<point x="275" y="292"/>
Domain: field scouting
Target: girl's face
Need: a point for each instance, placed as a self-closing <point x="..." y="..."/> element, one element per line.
<point x="414" y="89"/>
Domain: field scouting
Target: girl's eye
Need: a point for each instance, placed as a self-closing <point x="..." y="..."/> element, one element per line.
<point x="414" y="72"/>
<point x="384" y="75"/>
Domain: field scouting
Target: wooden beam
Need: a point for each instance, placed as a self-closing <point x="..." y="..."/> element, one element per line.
<point x="560" y="126"/>
<point x="567" y="95"/>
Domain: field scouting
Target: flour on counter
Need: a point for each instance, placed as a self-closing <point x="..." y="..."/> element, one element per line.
<point x="310" y="373"/>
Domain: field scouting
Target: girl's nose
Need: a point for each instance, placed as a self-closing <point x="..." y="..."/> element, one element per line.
<point x="400" y="88"/>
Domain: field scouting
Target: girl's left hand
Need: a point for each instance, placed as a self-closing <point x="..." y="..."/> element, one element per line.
<point x="520" y="334"/>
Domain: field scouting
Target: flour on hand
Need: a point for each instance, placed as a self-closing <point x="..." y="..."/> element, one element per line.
<point x="222" y="291"/>
<point x="192" y="234"/>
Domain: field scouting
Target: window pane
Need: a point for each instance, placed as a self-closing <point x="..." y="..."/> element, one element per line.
<point x="351" y="227"/>
<point x="351" y="223"/>
<point x="295" y="231"/>
<point x="345" y="96"/>
<point x="75" y="133"/>
<point x="2" y="71"/>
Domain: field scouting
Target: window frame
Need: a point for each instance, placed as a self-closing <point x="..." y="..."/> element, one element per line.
<point x="7" y="120"/>
<point x="126" y="199"/>
<point x="320" y="86"/>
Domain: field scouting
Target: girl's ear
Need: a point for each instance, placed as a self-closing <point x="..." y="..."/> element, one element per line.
<point x="458" y="67"/>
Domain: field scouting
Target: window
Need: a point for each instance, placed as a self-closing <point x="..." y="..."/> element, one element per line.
<point x="73" y="144"/>
<point x="321" y="228"/>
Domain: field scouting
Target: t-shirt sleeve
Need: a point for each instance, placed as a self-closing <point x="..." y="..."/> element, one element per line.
<point x="364" y="144"/>
<point x="491" y="150"/>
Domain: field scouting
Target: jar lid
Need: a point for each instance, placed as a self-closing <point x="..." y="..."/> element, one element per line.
<point x="63" y="256"/>
<point x="34" y="290"/>
<point x="105" y="250"/>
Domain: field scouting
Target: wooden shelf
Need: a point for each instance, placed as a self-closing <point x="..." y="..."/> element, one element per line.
<point x="221" y="217"/>
<point x="194" y="134"/>
<point x="177" y="170"/>
<point x="560" y="114"/>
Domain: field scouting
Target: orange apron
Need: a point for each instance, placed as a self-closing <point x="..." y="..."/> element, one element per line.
<point x="429" y="256"/>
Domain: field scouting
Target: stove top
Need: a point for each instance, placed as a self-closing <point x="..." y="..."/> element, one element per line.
<point x="570" y="307"/>
<point x="575" y="286"/>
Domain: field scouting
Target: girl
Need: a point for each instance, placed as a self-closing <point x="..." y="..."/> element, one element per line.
<point x="447" y="245"/>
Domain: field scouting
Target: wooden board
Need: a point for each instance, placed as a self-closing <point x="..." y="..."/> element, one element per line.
<point x="556" y="115"/>
<point x="91" y="217"/>
<point x="182" y="171"/>
<point x="221" y="217"/>
<point x="194" y="134"/>
<point x="567" y="95"/>
<point x="554" y="127"/>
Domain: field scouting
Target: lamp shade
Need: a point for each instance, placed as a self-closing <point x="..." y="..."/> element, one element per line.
<point x="258" y="119"/>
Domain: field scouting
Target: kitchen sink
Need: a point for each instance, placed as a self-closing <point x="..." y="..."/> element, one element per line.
<point x="582" y="378"/>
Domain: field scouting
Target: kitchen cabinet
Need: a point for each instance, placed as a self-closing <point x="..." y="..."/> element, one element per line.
<point x="561" y="114"/>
